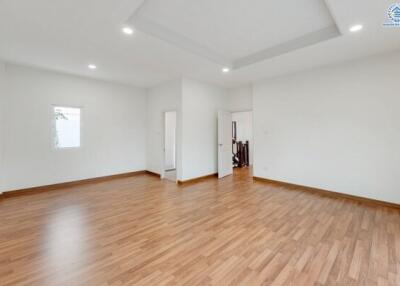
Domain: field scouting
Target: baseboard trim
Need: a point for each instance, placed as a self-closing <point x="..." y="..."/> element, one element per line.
<point x="33" y="190"/>
<point x="153" y="174"/>
<point x="198" y="179"/>
<point x="327" y="193"/>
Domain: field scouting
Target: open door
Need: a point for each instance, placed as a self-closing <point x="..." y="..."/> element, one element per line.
<point x="225" y="166"/>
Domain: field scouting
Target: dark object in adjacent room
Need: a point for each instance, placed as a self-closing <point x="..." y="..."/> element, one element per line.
<point x="240" y="150"/>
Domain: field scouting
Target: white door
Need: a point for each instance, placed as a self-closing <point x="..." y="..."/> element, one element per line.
<point x="225" y="166"/>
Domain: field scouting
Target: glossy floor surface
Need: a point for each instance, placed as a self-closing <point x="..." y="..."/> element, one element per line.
<point x="143" y="231"/>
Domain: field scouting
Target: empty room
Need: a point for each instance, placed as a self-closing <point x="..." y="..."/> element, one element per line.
<point x="199" y="142"/>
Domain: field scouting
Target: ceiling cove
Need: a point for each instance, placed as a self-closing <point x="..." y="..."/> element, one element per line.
<point x="277" y="28"/>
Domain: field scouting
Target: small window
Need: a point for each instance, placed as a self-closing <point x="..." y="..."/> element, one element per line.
<point x="67" y="127"/>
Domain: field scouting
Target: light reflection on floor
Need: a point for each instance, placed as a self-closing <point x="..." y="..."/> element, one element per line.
<point x="67" y="239"/>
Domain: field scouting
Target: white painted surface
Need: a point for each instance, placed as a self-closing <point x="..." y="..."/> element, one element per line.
<point x="335" y="128"/>
<point x="165" y="97"/>
<point x="225" y="165"/>
<point x="3" y="108"/>
<point x="201" y="103"/>
<point x="170" y="140"/>
<point x="68" y="35"/>
<point x="240" y="99"/>
<point x="197" y="105"/>
<point x="236" y="34"/>
<point x="113" y="128"/>
<point x="244" y="129"/>
<point x="237" y="29"/>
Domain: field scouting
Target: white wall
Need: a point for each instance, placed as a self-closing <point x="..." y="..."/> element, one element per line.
<point x="240" y="99"/>
<point x="165" y="97"/>
<point x="200" y="106"/>
<point x="197" y="105"/>
<point x="113" y="128"/>
<point x="2" y="121"/>
<point x="170" y="140"/>
<point x="244" y="129"/>
<point x="335" y="128"/>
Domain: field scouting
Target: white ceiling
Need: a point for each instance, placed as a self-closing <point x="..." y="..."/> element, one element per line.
<point x="193" y="38"/>
<point x="238" y="28"/>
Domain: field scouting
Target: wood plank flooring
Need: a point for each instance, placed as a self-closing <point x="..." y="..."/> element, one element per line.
<point x="143" y="231"/>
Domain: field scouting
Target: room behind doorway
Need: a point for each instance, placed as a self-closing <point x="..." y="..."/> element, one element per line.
<point x="244" y="132"/>
<point x="170" y="145"/>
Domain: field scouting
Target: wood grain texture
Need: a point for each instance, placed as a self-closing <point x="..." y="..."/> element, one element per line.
<point x="197" y="180"/>
<point x="234" y="231"/>
<point x="29" y="191"/>
<point x="326" y="193"/>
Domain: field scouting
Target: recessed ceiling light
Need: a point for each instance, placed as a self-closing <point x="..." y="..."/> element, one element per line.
<point x="127" y="30"/>
<point x="92" y="66"/>
<point x="226" y="70"/>
<point x="356" y="28"/>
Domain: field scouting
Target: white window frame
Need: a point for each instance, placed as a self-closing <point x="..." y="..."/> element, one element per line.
<point x="54" y="130"/>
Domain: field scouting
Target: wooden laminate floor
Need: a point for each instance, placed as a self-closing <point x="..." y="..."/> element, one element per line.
<point x="143" y="231"/>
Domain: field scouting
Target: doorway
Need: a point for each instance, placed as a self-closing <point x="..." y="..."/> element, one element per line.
<point x="235" y="142"/>
<point x="242" y="138"/>
<point x="170" y="146"/>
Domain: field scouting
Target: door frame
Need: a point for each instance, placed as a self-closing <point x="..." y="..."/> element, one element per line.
<point x="220" y="145"/>
<point x="163" y="163"/>
<point x="252" y="130"/>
